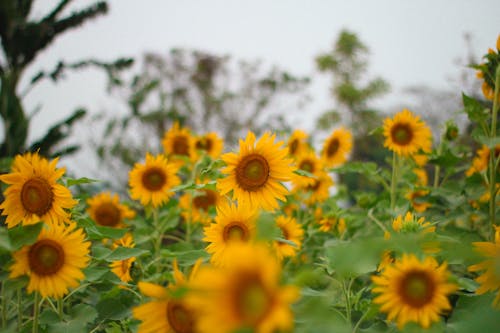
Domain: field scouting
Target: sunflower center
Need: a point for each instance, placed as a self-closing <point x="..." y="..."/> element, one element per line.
<point x="107" y="214"/>
<point x="417" y="289"/>
<point x="307" y="165"/>
<point x="46" y="257"/>
<point x="235" y="231"/>
<point x="204" y="201"/>
<point x="313" y="187"/>
<point x="204" y="144"/>
<point x="333" y="147"/>
<point x="180" y="145"/>
<point x="292" y="147"/>
<point x="37" y="196"/>
<point x="252" y="301"/>
<point x="153" y="179"/>
<point x="401" y="134"/>
<point x="252" y="172"/>
<point x="179" y="318"/>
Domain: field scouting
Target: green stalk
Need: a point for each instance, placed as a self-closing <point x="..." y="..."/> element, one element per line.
<point x="36" y="312"/>
<point x="493" y="169"/>
<point x="437" y="168"/>
<point x="159" y="237"/>
<point x="393" y="180"/>
<point x="60" y="307"/>
<point x="4" y="306"/>
<point x="19" y="309"/>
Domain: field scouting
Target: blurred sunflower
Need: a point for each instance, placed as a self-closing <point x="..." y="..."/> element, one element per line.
<point x="489" y="280"/>
<point x="245" y="294"/>
<point x="121" y="268"/>
<point x="297" y="142"/>
<point x="105" y="209"/>
<point x="233" y="223"/>
<point x="33" y="194"/>
<point x="151" y="182"/>
<point x="329" y="223"/>
<point x="178" y="141"/>
<point x="413" y="291"/>
<point x="209" y="143"/>
<point x="317" y="191"/>
<point x="481" y="160"/>
<point x="54" y="262"/>
<point x="487" y="70"/>
<point x="196" y="207"/>
<point x="255" y="174"/>
<point x="406" y="134"/>
<point x="337" y="147"/>
<point x="165" y="313"/>
<point x="310" y="162"/>
<point x="416" y="195"/>
<point x="292" y="231"/>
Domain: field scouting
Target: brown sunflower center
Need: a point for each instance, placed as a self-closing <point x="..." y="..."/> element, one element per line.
<point x="252" y="301"/>
<point x="417" y="289"/>
<point x="235" y="231"/>
<point x="292" y="147"/>
<point x="180" y="145"/>
<point x="252" y="172"/>
<point x="37" y="196"/>
<point x="313" y="187"/>
<point x="401" y="134"/>
<point x="179" y="317"/>
<point x="204" y="144"/>
<point x="107" y="214"/>
<point x="307" y="165"/>
<point x="46" y="257"/>
<point x="205" y="200"/>
<point x="153" y="179"/>
<point x="333" y="147"/>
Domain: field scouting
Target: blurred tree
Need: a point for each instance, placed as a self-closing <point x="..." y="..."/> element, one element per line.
<point x="22" y="40"/>
<point x="347" y="64"/>
<point x="202" y="91"/>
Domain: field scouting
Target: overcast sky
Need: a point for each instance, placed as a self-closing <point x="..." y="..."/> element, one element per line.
<point x="410" y="42"/>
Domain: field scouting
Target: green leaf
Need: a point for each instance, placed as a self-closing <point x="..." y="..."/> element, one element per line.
<point x="267" y="228"/>
<point x="79" y="181"/>
<point x="304" y="173"/>
<point x="474" y="314"/>
<point x="122" y="253"/>
<point x="79" y="316"/>
<point x="97" y="232"/>
<point x="475" y="110"/>
<point x="24" y="235"/>
<point x="94" y="273"/>
<point x="5" y="240"/>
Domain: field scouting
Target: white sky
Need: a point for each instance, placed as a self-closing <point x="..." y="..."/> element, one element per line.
<point x="411" y="42"/>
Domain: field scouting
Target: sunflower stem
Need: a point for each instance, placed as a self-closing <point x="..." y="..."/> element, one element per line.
<point x="19" y="309"/>
<point x="159" y="237"/>
<point x="4" y="306"/>
<point x="60" y="307"/>
<point x="394" y="180"/>
<point x="347" y="294"/>
<point x="437" y="168"/>
<point x="36" y="312"/>
<point x="359" y="322"/>
<point x="493" y="169"/>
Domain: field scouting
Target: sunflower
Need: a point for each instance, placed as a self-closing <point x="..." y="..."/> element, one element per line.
<point x="327" y="223"/>
<point x="33" y="194"/>
<point x="406" y="134"/>
<point x="318" y="190"/>
<point x="165" y="313"/>
<point x="254" y="175"/>
<point x="105" y="209"/>
<point x="151" y="182"/>
<point x="121" y="268"/>
<point x="411" y="224"/>
<point x="307" y="161"/>
<point x="177" y="142"/>
<point x="233" y="223"/>
<point x="337" y="147"/>
<point x="416" y="195"/>
<point x="489" y="280"/>
<point x="297" y="142"/>
<point x="292" y="231"/>
<point x="55" y="261"/>
<point x="209" y="143"/>
<point x="413" y="290"/>
<point x="487" y="71"/>
<point x="481" y="160"/>
<point x="197" y="207"/>
<point x="245" y="294"/>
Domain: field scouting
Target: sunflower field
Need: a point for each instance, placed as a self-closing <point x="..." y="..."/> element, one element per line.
<point x="265" y="237"/>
